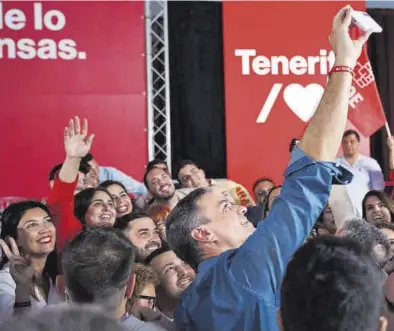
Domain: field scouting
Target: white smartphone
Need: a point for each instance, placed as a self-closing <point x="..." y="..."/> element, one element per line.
<point x="365" y="22"/>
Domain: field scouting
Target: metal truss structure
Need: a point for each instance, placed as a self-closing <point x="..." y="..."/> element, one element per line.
<point x="158" y="98"/>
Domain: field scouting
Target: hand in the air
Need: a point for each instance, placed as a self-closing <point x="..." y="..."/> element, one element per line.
<point x="346" y="50"/>
<point x="77" y="143"/>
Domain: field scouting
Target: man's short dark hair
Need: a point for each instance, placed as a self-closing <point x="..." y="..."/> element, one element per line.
<point x="84" y="167"/>
<point x="97" y="265"/>
<point x="63" y="318"/>
<point x="262" y="180"/>
<point x="350" y="132"/>
<point x="331" y="284"/>
<point x="88" y="157"/>
<point x="155" y="162"/>
<point x="123" y="221"/>
<point x="185" y="217"/>
<point x="163" y="249"/>
<point x="369" y="237"/>
<point x="183" y="164"/>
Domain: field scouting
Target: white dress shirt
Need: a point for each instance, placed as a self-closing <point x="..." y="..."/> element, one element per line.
<point x="7" y="295"/>
<point x="367" y="176"/>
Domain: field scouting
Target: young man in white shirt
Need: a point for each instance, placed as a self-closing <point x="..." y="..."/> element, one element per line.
<point x="366" y="171"/>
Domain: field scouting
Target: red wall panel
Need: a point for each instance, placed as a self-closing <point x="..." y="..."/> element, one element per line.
<point x="291" y="39"/>
<point x="39" y="94"/>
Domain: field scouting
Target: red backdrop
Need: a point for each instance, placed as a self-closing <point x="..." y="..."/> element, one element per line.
<point x="43" y="83"/>
<point x="291" y="39"/>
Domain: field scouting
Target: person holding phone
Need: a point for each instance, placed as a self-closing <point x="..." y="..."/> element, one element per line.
<point x="239" y="267"/>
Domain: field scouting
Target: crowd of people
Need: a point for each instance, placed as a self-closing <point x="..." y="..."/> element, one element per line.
<point x="105" y="252"/>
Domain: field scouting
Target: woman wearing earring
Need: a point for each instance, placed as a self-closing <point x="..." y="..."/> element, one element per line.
<point x="28" y="270"/>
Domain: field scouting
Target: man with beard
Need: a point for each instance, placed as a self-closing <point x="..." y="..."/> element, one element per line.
<point x="159" y="183"/>
<point x="174" y="277"/>
<point x="142" y="232"/>
<point x="192" y="176"/>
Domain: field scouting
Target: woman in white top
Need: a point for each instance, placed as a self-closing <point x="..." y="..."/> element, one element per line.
<point x="28" y="269"/>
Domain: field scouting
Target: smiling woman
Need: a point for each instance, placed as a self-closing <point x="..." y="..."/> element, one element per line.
<point x="94" y="207"/>
<point x="28" y="271"/>
<point x="119" y="194"/>
<point x="377" y="207"/>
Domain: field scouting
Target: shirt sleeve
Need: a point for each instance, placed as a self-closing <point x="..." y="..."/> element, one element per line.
<point x="341" y="206"/>
<point x="259" y="264"/>
<point x="376" y="175"/>
<point x="132" y="185"/>
<point x="61" y="205"/>
<point x="7" y="295"/>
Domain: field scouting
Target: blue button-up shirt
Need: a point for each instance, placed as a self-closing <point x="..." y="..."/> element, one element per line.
<point x="131" y="185"/>
<point x="239" y="289"/>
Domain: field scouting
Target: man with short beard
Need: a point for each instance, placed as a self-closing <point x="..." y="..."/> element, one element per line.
<point x="174" y="277"/>
<point x="159" y="183"/>
<point x="366" y="171"/>
<point x="142" y="232"/>
<point x="192" y="176"/>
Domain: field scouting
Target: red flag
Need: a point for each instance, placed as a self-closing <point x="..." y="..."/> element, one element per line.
<point x="365" y="108"/>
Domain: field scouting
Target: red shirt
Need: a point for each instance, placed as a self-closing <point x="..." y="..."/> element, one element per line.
<point x="61" y="206"/>
<point x="391" y="174"/>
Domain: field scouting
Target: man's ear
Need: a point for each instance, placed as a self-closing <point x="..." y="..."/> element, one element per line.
<point x="203" y="234"/>
<point x="383" y="323"/>
<point x="130" y="286"/>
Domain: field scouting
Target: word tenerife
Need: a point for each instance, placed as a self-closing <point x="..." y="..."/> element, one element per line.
<point x="282" y="65"/>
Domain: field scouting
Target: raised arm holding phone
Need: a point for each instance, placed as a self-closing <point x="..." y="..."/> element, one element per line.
<point x="240" y="268"/>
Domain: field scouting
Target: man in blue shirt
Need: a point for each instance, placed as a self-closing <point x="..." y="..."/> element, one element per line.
<point x="239" y="267"/>
<point x="100" y="174"/>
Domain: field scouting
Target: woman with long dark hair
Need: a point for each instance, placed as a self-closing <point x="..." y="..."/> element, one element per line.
<point x="377" y="207"/>
<point x="28" y="269"/>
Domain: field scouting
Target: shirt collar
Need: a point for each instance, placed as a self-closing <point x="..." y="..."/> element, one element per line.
<point x="206" y="264"/>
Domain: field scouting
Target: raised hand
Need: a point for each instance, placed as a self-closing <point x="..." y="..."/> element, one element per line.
<point x="346" y="50"/>
<point x="77" y="143"/>
<point x="20" y="266"/>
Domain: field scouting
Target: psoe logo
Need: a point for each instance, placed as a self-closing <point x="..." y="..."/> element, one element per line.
<point x="302" y="100"/>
